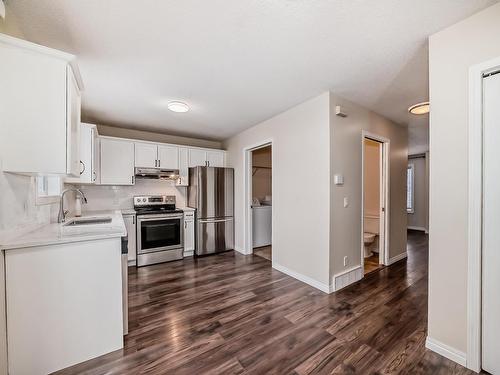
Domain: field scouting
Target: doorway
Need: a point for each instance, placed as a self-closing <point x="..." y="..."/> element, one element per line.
<point x="259" y="187"/>
<point x="374" y="203"/>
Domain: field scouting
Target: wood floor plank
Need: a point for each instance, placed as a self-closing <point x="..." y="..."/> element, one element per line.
<point x="234" y="314"/>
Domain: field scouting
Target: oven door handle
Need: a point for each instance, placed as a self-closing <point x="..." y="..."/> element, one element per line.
<point x="157" y="217"/>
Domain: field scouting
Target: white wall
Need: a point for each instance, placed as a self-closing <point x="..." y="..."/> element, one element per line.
<point x="301" y="185"/>
<point x="346" y="156"/>
<point x="419" y="218"/>
<point x="452" y="52"/>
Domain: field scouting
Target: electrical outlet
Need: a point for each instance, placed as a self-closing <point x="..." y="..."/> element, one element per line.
<point x="346" y="202"/>
<point x="345" y="261"/>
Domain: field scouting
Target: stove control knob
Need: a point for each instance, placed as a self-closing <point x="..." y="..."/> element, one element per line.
<point x="144" y="199"/>
<point x="138" y="199"/>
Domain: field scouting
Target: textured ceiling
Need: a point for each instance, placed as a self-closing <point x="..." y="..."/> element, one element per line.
<point x="239" y="62"/>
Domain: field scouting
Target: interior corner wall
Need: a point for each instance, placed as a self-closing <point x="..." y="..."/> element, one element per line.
<point x="346" y="159"/>
<point x="451" y="53"/>
<point x="300" y="144"/>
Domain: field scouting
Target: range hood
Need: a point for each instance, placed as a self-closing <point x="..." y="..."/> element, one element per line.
<point x="157" y="173"/>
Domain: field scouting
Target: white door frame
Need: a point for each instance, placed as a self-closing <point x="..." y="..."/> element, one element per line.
<point x="475" y="198"/>
<point x="385" y="144"/>
<point x="247" y="193"/>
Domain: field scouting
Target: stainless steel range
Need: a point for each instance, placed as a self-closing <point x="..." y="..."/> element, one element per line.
<point x="160" y="231"/>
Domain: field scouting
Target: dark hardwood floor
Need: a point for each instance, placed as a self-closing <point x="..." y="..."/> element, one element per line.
<point x="234" y="314"/>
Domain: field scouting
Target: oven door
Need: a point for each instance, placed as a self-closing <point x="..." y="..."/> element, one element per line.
<point x="159" y="232"/>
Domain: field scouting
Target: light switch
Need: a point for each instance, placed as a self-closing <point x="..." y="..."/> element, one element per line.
<point x="346" y="202"/>
<point x="338" y="179"/>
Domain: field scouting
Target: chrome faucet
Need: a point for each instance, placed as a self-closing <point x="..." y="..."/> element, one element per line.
<point x="61" y="218"/>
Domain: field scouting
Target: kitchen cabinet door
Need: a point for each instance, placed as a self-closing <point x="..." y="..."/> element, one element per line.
<point x="168" y="157"/>
<point x="183" y="179"/>
<point x="86" y="160"/>
<point x="117" y="162"/>
<point x="129" y="221"/>
<point x="146" y="155"/>
<point x="189" y="236"/>
<point x="197" y="157"/>
<point x="73" y="103"/>
<point x="215" y="158"/>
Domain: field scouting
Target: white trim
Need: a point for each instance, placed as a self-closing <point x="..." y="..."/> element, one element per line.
<point x="241" y="250"/>
<point x="347" y="277"/>
<point x="446" y="351"/>
<point x="384" y="194"/>
<point x="411" y="227"/>
<point x="412" y="209"/>
<point x="247" y="193"/>
<point x="397" y="258"/>
<point x="188" y="253"/>
<point x="305" y="279"/>
<point x="475" y="188"/>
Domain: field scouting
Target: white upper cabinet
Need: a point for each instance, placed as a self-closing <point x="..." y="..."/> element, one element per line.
<point x="197" y="157"/>
<point x="117" y="162"/>
<point x="215" y="158"/>
<point x="146" y="155"/>
<point x="88" y="161"/>
<point x="183" y="179"/>
<point x="168" y="157"/>
<point x="206" y="158"/>
<point x="150" y="155"/>
<point x="40" y="109"/>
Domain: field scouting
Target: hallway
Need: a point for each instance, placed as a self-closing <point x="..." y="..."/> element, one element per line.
<point x="235" y="314"/>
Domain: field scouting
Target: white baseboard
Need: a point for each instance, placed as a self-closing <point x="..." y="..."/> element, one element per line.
<point x="347" y="277"/>
<point x="397" y="258"/>
<point x="421" y="229"/>
<point x="188" y="253"/>
<point x="446" y="351"/>
<point x="305" y="279"/>
<point x="241" y="250"/>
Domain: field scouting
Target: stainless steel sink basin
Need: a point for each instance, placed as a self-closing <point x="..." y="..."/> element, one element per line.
<point x="87" y="221"/>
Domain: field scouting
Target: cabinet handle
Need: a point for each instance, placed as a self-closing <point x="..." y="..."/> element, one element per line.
<point x="83" y="170"/>
<point x="133" y="219"/>
<point x="95" y="175"/>
<point x="133" y="179"/>
<point x="159" y="163"/>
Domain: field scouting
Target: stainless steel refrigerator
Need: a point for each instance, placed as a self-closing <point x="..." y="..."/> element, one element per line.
<point x="211" y="192"/>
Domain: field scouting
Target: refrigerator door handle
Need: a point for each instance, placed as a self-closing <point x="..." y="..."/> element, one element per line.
<point x="215" y="220"/>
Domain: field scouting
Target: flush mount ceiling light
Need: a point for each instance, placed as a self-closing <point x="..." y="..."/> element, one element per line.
<point x="420" y="108"/>
<point x="178" y="107"/>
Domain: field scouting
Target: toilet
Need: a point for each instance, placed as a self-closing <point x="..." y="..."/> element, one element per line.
<point x="371" y="231"/>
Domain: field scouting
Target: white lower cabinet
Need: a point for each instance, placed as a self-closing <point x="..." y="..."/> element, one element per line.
<point x="64" y="304"/>
<point x="130" y="220"/>
<point x="117" y="162"/>
<point x="189" y="244"/>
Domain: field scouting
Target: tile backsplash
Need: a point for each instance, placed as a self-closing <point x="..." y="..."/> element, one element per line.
<point x="18" y="210"/>
<point x="120" y="197"/>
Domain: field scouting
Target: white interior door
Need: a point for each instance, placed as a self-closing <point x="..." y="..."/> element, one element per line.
<point x="491" y="225"/>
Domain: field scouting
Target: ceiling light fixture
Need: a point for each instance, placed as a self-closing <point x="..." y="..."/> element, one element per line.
<point x="178" y="107"/>
<point x="420" y="108"/>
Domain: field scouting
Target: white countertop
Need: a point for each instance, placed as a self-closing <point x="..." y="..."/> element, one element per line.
<point x="53" y="234"/>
